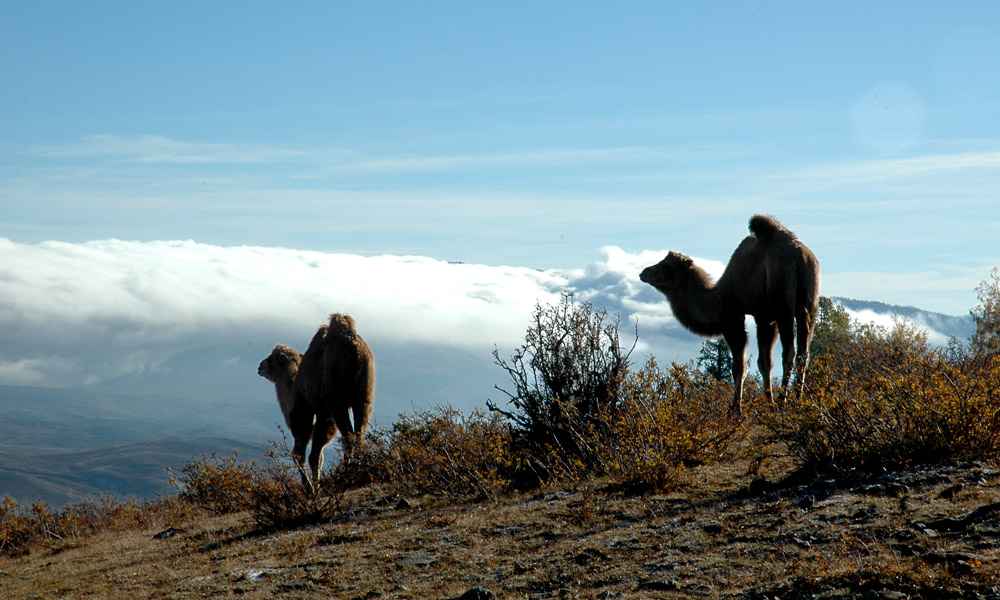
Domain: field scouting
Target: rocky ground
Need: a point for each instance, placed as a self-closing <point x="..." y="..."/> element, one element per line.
<point x="724" y="533"/>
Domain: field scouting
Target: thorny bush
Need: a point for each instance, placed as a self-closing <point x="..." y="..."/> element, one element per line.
<point x="578" y="409"/>
<point x="566" y="377"/>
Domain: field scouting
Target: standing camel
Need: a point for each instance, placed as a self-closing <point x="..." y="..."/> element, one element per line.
<point x="319" y="390"/>
<point x="771" y="276"/>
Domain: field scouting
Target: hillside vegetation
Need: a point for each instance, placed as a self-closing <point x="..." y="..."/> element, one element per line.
<point x="593" y="479"/>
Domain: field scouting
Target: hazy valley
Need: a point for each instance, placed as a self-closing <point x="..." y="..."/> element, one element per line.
<point x="65" y="445"/>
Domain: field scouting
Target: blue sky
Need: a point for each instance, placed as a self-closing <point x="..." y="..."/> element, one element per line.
<point x="515" y="133"/>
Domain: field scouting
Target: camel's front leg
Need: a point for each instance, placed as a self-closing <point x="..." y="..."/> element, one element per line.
<point x="299" y="456"/>
<point x="736" y="337"/>
<point x="300" y="422"/>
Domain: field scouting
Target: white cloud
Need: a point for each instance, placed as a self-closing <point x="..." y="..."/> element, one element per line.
<point x="32" y="371"/>
<point x="109" y="308"/>
<point x="113" y="307"/>
<point x="84" y="313"/>
<point x="889" y="321"/>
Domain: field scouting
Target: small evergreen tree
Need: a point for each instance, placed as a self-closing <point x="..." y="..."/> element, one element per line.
<point x="833" y="328"/>
<point x="716" y="360"/>
<point x="986" y="340"/>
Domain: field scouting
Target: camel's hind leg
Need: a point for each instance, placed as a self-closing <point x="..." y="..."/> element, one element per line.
<point x="736" y="337"/>
<point x="347" y="430"/>
<point x="786" y="330"/>
<point x="767" y="335"/>
<point x="323" y="432"/>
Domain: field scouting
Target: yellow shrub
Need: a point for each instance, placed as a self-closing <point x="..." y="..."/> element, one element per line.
<point x="443" y="452"/>
<point x="219" y="485"/>
<point x="886" y="400"/>
<point x="663" y="422"/>
<point x="24" y="526"/>
<point x="273" y="492"/>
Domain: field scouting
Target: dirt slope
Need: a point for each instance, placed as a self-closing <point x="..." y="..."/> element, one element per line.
<point x="927" y="533"/>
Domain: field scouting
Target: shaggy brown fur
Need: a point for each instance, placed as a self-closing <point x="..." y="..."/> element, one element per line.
<point x="771" y="276"/>
<point x="280" y="369"/>
<point x="336" y="376"/>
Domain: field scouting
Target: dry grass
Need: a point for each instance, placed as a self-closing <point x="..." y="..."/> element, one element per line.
<point x="432" y="507"/>
<point x="722" y="533"/>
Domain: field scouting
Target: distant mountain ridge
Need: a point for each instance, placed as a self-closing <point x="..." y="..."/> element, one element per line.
<point x="940" y="327"/>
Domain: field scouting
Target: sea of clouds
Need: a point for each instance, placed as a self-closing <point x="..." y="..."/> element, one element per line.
<point x="80" y="313"/>
<point x="90" y="314"/>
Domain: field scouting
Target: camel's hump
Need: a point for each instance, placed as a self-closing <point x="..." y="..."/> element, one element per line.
<point x="765" y="227"/>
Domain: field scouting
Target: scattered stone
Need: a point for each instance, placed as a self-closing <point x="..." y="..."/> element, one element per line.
<point x="419" y="559"/>
<point x="211" y="547"/>
<point x="951" y="492"/>
<point x="663" y="585"/>
<point x="759" y="486"/>
<point x="588" y="556"/>
<point x="882" y="595"/>
<point x="169" y="532"/>
<point x="947" y="524"/>
<point x="886" y="488"/>
<point x="936" y="558"/>
<point x="477" y="593"/>
<point x="255" y="576"/>
<point x="905" y="550"/>
<point x="336" y="540"/>
<point x="292" y="586"/>
<point x="712" y="529"/>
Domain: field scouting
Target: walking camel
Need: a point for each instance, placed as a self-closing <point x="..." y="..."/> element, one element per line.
<point x="771" y="276"/>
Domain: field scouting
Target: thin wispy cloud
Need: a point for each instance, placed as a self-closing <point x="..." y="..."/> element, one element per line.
<point x="849" y="174"/>
<point x="164" y="150"/>
<point x="521" y="158"/>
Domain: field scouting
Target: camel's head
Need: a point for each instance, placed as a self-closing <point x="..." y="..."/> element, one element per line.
<point x="282" y="364"/>
<point x="668" y="273"/>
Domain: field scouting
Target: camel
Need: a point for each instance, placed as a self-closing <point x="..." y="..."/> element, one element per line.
<point x="771" y="276"/>
<point x="317" y="390"/>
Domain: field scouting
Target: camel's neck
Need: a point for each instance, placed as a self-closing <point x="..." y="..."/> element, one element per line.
<point x="285" y="399"/>
<point x="697" y="304"/>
